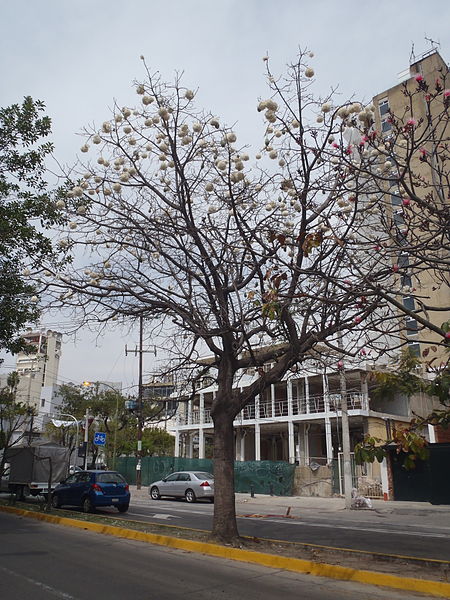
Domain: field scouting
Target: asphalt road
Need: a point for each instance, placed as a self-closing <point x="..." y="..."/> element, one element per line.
<point x="359" y="531"/>
<point x="43" y="561"/>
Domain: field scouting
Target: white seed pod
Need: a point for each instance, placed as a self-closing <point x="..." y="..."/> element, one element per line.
<point x="140" y="89"/>
<point x="106" y="127"/>
<point x="309" y="72"/>
<point x="231" y="137"/>
<point x="221" y="165"/>
<point x="78" y="191"/>
<point x="326" y="107"/>
<point x="117" y="187"/>
<point x="189" y="94"/>
<point x="209" y="187"/>
<point x="271" y="105"/>
<point x="107" y="192"/>
<point x="84" y="148"/>
<point x="73" y="225"/>
<point x="126" y="112"/>
<point x="156" y="120"/>
<point x="81" y="210"/>
<point x="273" y="154"/>
<point x="61" y="204"/>
<point x="127" y="129"/>
<point x="258" y="156"/>
<point x="214" y="123"/>
<point x="118" y="118"/>
<point x="132" y="141"/>
<point x="197" y="127"/>
<point x="96" y="139"/>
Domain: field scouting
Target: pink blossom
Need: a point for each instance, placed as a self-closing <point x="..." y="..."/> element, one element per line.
<point x="406" y="201"/>
<point x="446" y="93"/>
<point x="362" y="352"/>
<point x="411" y="122"/>
<point x="419" y="77"/>
<point x="357" y="320"/>
<point x="395" y="268"/>
<point x="427" y="97"/>
<point x="340" y="364"/>
<point x="335" y="145"/>
<point x="423" y="151"/>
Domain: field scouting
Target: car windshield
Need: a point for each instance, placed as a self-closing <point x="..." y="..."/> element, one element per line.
<point x="110" y="478"/>
<point x="204" y="476"/>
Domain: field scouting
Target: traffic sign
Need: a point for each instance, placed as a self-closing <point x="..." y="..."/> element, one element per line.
<point x="99" y="438"/>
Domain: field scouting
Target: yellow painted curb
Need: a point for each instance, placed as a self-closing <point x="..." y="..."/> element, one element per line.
<point x="298" y="565"/>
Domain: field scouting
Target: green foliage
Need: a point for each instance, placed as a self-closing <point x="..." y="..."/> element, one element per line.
<point x="26" y="209"/>
<point x="402" y="381"/>
<point x="111" y="417"/>
<point x="14" y="416"/>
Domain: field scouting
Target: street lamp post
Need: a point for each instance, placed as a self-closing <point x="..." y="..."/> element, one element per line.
<point x="76" y="436"/>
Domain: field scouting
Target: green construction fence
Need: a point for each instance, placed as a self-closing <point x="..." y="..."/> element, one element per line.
<point x="261" y="477"/>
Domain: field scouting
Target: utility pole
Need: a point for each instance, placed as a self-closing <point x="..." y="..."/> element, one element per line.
<point x="348" y="483"/>
<point x="139" y="351"/>
<point x="86" y="438"/>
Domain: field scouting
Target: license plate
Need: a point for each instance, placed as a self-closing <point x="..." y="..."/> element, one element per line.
<point x="115" y="499"/>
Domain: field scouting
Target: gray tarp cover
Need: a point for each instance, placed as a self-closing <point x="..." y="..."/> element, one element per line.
<point x="27" y="464"/>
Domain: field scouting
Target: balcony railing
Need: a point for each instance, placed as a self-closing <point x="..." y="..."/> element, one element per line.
<point x="264" y="411"/>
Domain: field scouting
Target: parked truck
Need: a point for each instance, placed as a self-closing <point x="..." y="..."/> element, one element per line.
<point x="32" y="469"/>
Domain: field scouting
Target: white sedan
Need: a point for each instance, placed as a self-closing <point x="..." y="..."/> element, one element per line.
<point x="190" y="485"/>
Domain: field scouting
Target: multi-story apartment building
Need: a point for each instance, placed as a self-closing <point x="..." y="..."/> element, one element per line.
<point x="432" y="70"/>
<point x="39" y="368"/>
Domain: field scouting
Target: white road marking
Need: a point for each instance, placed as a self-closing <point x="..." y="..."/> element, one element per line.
<point x="368" y="529"/>
<point x="154" y="516"/>
<point x="40" y="584"/>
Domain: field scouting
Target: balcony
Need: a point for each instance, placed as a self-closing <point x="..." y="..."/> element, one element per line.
<point x="270" y="411"/>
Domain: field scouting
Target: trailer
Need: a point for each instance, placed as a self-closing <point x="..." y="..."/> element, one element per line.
<point x="33" y="469"/>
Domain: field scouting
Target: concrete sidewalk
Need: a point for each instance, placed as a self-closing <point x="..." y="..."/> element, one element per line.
<point x="297" y="504"/>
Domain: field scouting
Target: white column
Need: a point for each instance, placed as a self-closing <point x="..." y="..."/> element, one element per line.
<point x="291" y="441"/>
<point x="432" y="434"/>
<point x="328" y="440"/>
<point x="189" y="412"/>
<point x="257" y="407"/>
<point x="289" y="398"/>
<point x="201" y="443"/>
<point x="177" y="444"/>
<point x="242" y="452"/>
<point x="190" y="449"/>
<point x="307" y="394"/>
<point x="202" y="408"/>
<point x="237" y="448"/>
<point x="384" y="479"/>
<point x="257" y="442"/>
<point x="306" y="427"/>
<point x="272" y="398"/>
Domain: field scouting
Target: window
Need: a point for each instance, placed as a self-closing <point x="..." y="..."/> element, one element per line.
<point x="406" y="281"/>
<point x="383" y="107"/>
<point x="110" y="478"/>
<point x="172" y="477"/>
<point x="184" y="477"/>
<point x="412" y="327"/>
<point x="414" y="348"/>
<point x="204" y="476"/>
<point x="408" y="303"/>
<point x="42" y="402"/>
<point x="396" y="200"/>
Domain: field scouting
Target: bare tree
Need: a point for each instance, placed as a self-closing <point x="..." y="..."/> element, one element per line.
<point x="253" y="263"/>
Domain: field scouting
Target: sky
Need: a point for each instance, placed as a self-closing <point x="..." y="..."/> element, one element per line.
<point x="78" y="57"/>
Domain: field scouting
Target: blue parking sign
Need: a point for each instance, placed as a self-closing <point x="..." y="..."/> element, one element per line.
<point x="99" y="438"/>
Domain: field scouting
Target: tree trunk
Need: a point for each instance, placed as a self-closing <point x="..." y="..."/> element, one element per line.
<point x="224" y="523"/>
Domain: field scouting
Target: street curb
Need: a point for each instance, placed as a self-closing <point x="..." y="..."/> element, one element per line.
<point x="424" y="586"/>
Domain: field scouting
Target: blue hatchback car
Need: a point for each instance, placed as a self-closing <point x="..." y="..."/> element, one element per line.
<point x="91" y="490"/>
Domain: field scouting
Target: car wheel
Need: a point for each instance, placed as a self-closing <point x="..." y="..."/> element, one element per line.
<point x="122" y="508"/>
<point x="190" y="496"/>
<point x="88" y="506"/>
<point x="56" y="502"/>
<point x="154" y="493"/>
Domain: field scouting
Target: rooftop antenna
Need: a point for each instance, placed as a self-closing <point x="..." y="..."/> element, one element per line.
<point x="412" y="56"/>
<point x="433" y="43"/>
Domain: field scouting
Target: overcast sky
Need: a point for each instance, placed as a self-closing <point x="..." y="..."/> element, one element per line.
<point x="79" y="56"/>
